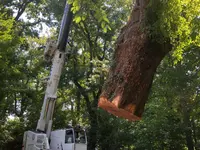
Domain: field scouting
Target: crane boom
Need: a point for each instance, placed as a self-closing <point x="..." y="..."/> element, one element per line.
<point x="45" y="121"/>
<point x="39" y="139"/>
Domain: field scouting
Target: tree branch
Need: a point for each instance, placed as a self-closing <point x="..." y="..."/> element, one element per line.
<point x="83" y="93"/>
<point x="22" y="9"/>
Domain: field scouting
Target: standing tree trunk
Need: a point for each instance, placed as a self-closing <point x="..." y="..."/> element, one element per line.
<point x="187" y="124"/>
<point x="135" y="61"/>
<point x="92" y="135"/>
<point x="189" y="138"/>
<point x="91" y="107"/>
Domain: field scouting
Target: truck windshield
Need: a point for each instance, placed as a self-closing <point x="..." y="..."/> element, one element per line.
<point x="80" y="137"/>
<point x="69" y="136"/>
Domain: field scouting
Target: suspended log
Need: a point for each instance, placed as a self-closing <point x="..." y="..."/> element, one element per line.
<point x="136" y="58"/>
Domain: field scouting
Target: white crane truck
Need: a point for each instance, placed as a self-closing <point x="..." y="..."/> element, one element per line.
<point x="43" y="138"/>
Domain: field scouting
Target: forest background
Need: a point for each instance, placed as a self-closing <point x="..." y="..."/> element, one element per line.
<point x="171" y="120"/>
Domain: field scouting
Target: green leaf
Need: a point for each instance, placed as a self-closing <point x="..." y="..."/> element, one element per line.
<point x="77" y="19"/>
<point x="105" y="30"/>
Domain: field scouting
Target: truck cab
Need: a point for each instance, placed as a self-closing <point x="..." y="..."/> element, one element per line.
<point x="68" y="139"/>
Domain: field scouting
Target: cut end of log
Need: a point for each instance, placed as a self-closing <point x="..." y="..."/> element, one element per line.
<point x="112" y="107"/>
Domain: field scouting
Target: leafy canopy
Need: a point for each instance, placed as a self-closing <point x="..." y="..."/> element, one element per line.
<point x="177" y="21"/>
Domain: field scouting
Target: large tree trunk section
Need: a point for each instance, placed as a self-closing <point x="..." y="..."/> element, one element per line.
<point x="131" y="74"/>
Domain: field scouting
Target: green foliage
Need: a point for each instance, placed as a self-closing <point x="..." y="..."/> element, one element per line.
<point x="171" y="114"/>
<point x="6" y="28"/>
<point x="175" y="21"/>
<point x="98" y="10"/>
<point x="12" y="134"/>
<point x="120" y="129"/>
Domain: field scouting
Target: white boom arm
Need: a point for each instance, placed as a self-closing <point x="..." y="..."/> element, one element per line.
<point x="45" y="121"/>
<point x="35" y="140"/>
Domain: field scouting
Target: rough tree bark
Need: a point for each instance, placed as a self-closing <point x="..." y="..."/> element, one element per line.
<point x="131" y="74"/>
